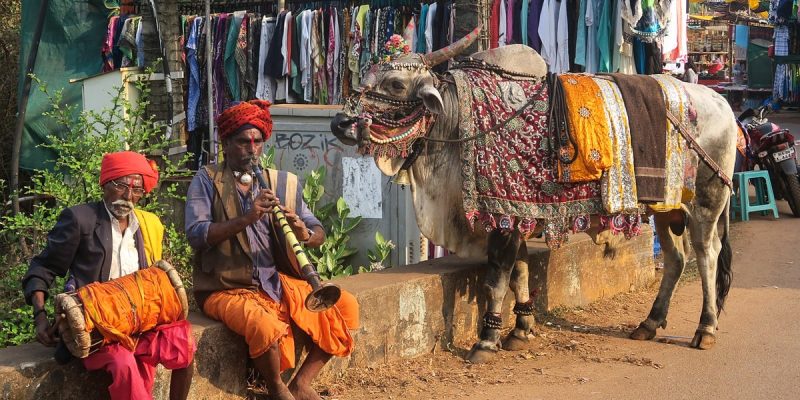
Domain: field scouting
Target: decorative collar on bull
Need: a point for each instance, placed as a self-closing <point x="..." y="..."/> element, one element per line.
<point x="398" y="100"/>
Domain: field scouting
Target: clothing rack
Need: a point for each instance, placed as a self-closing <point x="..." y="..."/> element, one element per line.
<point x="217" y="6"/>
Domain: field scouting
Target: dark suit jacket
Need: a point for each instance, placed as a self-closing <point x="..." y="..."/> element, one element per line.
<point x="79" y="243"/>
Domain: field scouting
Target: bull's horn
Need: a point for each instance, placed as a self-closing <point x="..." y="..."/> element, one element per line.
<point x="439" y="56"/>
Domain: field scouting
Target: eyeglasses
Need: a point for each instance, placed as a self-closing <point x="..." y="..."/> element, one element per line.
<point x="123" y="188"/>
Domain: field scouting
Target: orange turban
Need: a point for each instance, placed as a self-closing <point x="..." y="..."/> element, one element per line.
<point x="253" y="112"/>
<point x="124" y="163"/>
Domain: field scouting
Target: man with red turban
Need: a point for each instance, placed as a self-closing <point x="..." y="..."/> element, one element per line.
<point x="244" y="274"/>
<point x="105" y="240"/>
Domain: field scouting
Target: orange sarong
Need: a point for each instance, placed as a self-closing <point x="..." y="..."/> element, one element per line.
<point x="129" y="305"/>
<point x="588" y="126"/>
<point x="262" y="321"/>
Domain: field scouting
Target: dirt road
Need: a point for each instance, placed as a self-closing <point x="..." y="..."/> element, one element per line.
<point x="585" y="353"/>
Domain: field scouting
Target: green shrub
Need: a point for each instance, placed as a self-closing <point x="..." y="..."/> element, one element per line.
<point x="72" y="180"/>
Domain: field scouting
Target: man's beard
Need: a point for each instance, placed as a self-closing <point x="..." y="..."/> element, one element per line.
<point x="121" y="208"/>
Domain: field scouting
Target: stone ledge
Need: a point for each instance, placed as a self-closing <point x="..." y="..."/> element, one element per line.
<point x="405" y="312"/>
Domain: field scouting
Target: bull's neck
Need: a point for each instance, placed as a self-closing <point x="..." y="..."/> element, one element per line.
<point x="437" y="185"/>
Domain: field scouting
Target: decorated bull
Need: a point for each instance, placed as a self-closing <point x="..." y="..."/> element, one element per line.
<point x="491" y="160"/>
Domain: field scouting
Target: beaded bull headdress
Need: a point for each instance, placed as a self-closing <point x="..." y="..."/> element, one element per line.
<point x="395" y="124"/>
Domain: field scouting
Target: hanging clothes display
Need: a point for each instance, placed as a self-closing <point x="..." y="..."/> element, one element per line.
<point x="308" y="53"/>
<point x="123" y="46"/>
<point x="592" y="36"/>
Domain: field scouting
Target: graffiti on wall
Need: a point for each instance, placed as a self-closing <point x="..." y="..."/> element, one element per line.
<point x="303" y="151"/>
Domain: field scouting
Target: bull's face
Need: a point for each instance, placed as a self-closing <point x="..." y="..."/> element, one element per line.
<point x="390" y="90"/>
<point x="394" y="91"/>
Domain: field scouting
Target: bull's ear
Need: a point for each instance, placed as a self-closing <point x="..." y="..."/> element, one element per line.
<point x="431" y="98"/>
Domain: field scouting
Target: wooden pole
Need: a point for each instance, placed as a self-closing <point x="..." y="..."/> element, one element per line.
<point x="209" y="88"/>
<point x="23" y="106"/>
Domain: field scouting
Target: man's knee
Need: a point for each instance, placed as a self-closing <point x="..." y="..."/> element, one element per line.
<point x="348" y="307"/>
<point x="122" y="364"/>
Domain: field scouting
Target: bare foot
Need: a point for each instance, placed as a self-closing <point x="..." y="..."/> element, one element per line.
<point x="303" y="392"/>
<point x="281" y="393"/>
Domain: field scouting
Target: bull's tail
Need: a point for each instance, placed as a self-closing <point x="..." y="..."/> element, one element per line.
<point x="724" y="270"/>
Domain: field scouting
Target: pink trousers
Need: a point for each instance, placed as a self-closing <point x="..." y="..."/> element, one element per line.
<point x="133" y="372"/>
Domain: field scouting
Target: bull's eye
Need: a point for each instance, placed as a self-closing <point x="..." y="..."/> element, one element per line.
<point x="398" y="85"/>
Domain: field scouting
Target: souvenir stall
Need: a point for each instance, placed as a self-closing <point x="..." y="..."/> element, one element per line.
<point x="728" y="43"/>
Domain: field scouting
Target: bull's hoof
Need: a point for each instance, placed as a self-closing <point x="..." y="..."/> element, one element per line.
<point x="703" y="340"/>
<point x="643" y="333"/>
<point x="513" y="343"/>
<point x="480" y="355"/>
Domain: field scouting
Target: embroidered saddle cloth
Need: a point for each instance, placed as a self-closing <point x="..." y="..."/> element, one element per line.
<point x="511" y="170"/>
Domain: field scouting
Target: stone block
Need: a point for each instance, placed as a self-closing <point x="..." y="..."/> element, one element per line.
<point x="582" y="272"/>
<point x="406" y="312"/>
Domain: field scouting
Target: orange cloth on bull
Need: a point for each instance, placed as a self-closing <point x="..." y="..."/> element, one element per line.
<point x="263" y="321"/>
<point x="586" y="116"/>
<point x="130" y="304"/>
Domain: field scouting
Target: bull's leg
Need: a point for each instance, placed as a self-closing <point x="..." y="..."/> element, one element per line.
<point x="674" y="262"/>
<point x="707" y="246"/>
<point x="523" y="328"/>
<point x="502" y="252"/>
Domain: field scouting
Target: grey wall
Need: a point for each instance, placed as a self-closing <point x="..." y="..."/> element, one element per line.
<point x="303" y="142"/>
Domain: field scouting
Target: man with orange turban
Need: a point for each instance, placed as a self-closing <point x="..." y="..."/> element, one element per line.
<point x="105" y="240"/>
<point x="244" y="274"/>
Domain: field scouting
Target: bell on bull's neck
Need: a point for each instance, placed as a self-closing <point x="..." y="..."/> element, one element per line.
<point x="402" y="178"/>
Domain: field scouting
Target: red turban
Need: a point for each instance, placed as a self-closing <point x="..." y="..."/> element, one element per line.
<point x="124" y="163"/>
<point x="253" y="112"/>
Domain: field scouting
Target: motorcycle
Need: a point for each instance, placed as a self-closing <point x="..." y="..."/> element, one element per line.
<point x="772" y="149"/>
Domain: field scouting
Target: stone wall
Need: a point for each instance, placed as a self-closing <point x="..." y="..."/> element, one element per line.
<point x="406" y="312"/>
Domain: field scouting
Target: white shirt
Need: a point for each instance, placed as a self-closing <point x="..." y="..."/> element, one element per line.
<point x="502" y="28"/>
<point x="305" y="55"/>
<point x="124" y="256"/>
<point x="430" y="18"/>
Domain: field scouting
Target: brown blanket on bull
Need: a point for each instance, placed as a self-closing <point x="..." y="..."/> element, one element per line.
<point x="647" y="118"/>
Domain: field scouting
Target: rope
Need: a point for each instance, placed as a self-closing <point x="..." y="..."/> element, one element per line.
<point x="557" y="123"/>
<point x="692" y="143"/>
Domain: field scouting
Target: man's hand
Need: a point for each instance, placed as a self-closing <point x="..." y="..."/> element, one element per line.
<point x="298" y="226"/>
<point x="45" y="333"/>
<point x="262" y="204"/>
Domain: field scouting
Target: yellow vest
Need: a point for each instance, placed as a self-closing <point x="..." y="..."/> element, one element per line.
<point x="153" y="233"/>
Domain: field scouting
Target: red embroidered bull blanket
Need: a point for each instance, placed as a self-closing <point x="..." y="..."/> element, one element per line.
<point x="509" y="169"/>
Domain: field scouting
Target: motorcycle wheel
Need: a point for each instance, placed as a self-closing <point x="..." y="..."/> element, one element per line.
<point x="793" y="193"/>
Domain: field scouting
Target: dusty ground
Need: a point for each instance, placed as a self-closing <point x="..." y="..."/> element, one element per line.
<point x="585" y="353"/>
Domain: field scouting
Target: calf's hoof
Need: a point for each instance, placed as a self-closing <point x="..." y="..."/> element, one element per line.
<point x="513" y="343"/>
<point x="643" y="333"/>
<point x="478" y="355"/>
<point x="703" y="340"/>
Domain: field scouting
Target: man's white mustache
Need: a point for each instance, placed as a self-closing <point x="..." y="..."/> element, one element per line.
<point x="123" y="204"/>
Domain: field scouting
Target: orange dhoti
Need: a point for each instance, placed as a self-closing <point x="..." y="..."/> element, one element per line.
<point x="263" y="321"/>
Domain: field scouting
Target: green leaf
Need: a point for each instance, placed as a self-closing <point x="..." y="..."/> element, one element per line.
<point x="351" y="224"/>
<point x="341" y="207"/>
<point x="379" y="238"/>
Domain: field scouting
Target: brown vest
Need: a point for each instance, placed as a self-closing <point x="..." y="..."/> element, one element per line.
<point x="229" y="264"/>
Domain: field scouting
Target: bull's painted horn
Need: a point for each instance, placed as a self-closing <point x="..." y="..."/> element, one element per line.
<point x="439" y="56"/>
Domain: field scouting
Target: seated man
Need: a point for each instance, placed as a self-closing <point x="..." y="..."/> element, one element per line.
<point x="105" y="240"/>
<point x="239" y="276"/>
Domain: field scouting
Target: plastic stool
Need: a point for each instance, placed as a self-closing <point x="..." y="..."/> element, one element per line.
<point x="764" y="201"/>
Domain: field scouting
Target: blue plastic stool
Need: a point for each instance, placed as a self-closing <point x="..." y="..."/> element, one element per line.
<point x="764" y="201"/>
